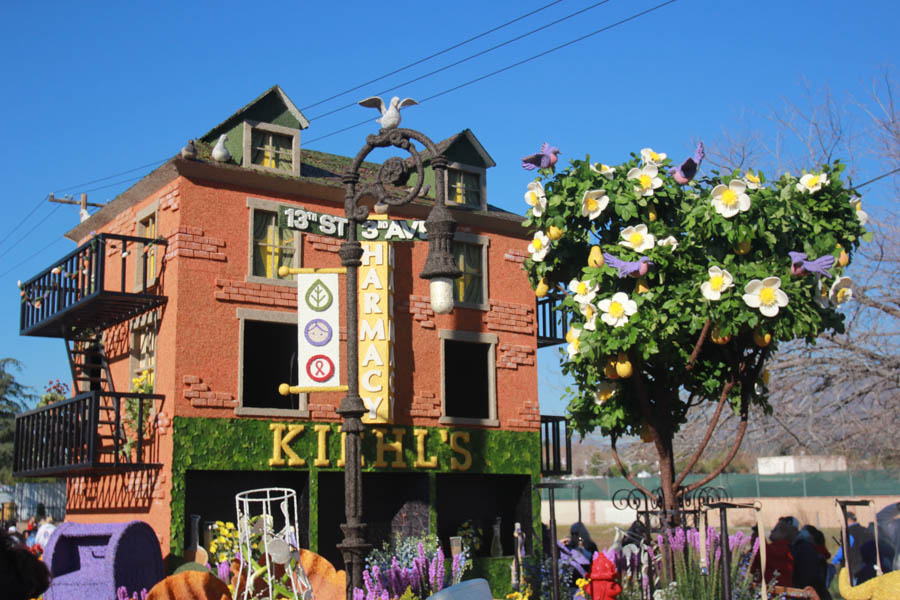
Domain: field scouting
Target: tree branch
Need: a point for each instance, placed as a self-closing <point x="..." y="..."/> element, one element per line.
<point x="742" y="428"/>
<point x="709" y="431"/>
<point x="703" y="333"/>
<point x="625" y="472"/>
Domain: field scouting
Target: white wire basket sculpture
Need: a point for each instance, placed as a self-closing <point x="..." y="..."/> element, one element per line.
<point x="270" y="546"/>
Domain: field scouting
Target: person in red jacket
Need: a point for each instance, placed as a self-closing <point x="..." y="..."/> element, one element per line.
<point x="779" y="560"/>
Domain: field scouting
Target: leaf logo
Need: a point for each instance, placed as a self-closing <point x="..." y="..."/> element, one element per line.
<point x="319" y="297"/>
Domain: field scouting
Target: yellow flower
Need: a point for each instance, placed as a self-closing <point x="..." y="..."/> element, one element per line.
<point x="213" y="547"/>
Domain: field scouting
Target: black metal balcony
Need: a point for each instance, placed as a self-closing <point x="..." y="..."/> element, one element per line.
<point x="552" y="324"/>
<point x="556" y="446"/>
<point x="93" y="433"/>
<point x="84" y="290"/>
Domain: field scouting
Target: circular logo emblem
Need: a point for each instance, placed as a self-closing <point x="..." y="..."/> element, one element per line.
<point x="320" y="368"/>
<point x="318" y="332"/>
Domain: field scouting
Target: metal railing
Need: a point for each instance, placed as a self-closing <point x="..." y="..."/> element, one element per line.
<point x="555" y="439"/>
<point x="93" y="432"/>
<point x="81" y="276"/>
<point x="551" y="324"/>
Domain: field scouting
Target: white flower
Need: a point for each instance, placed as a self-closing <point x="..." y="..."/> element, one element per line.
<point x="536" y="198"/>
<point x="637" y="238"/>
<point x="539" y="246"/>
<point x="752" y="180"/>
<point x="593" y="203"/>
<point x="812" y="183"/>
<point x="590" y="316"/>
<point x="863" y="217"/>
<point x="605" y="170"/>
<point x="605" y="391"/>
<point x="647" y="179"/>
<point x="719" y="281"/>
<point x="583" y="290"/>
<point x="617" y="309"/>
<point x="841" y="291"/>
<point x="729" y="201"/>
<point x="669" y="241"/>
<point x="651" y="158"/>
<point x="574" y="343"/>
<point x="765" y="295"/>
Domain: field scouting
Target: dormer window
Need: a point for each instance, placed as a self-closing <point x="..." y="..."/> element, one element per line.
<point x="271" y="147"/>
<point x="465" y="186"/>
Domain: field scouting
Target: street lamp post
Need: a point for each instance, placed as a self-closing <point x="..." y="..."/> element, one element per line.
<point x="439" y="268"/>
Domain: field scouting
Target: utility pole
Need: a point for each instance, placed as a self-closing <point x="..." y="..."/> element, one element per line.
<point x="83" y="203"/>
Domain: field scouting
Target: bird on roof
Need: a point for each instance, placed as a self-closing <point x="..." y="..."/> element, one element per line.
<point x="189" y="151"/>
<point x="220" y="153"/>
<point x="390" y="115"/>
<point x="546" y="158"/>
<point x="688" y="169"/>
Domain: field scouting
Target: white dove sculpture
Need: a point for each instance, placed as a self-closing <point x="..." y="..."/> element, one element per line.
<point x="219" y="152"/>
<point x="390" y="116"/>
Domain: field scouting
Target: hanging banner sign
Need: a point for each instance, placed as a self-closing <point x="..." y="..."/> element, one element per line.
<point x="318" y="347"/>
<point x="390" y="230"/>
<point x="376" y="331"/>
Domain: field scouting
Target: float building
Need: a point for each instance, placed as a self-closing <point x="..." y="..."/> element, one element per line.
<point x="180" y="331"/>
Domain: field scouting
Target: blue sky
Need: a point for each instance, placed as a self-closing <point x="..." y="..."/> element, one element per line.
<point x="95" y="89"/>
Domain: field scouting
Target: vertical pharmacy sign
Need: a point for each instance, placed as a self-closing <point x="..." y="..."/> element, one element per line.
<point x="318" y="348"/>
<point x="376" y="331"/>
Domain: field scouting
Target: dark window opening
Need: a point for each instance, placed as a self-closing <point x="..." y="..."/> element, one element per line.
<point x="210" y="494"/>
<point x="395" y="505"/>
<point x="466" y="380"/>
<point x="504" y="496"/>
<point x="270" y="359"/>
<point x="464" y="188"/>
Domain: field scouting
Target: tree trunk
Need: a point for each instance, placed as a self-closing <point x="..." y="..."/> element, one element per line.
<point x="666" y="453"/>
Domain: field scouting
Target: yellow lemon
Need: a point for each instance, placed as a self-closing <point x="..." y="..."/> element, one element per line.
<point x="742" y="247"/>
<point x="623" y="366"/>
<point x="646" y="434"/>
<point x="760" y="338"/>
<point x="717" y="337"/>
<point x="554" y="232"/>
<point x="595" y="258"/>
<point x="642" y="287"/>
<point x="651" y="213"/>
<point x="843" y="259"/>
<point x="610" y="369"/>
<point x="542" y="288"/>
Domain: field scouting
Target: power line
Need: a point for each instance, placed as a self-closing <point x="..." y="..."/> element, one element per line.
<point x="33" y="255"/>
<point x="22" y="222"/>
<point x="114" y="175"/>
<point x="468" y="58"/>
<point x="436" y="54"/>
<point x="513" y="65"/>
<point x="873" y="180"/>
<point x="25" y="235"/>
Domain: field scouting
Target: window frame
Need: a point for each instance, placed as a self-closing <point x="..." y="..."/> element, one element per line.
<point x="149" y="321"/>
<point x="268" y="316"/>
<point x="474" y="239"/>
<point x="482" y="180"/>
<point x="478" y="338"/>
<point x="294" y="134"/>
<point x="152" y="210"/>
<point x="254" y="204"/>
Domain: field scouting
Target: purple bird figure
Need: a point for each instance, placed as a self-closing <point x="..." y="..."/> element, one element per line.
<point x="635" y="268"/>
<point x="547" y="157"/>
<point x="800" y="266"/>
<point x="688" y="169"/>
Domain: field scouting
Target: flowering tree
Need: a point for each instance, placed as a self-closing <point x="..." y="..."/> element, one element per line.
<point x="680" y="289"/>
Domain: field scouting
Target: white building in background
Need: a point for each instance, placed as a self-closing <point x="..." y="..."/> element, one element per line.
<point x="785" y="465"/>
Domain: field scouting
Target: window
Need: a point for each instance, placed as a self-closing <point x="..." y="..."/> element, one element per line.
<point x="271" y="246"/>
<point x="143" y="347"/>
<point x="271" y="147"/>
<point x="268" y="358"/>
<point x="469" y="385"/>
<point x="464" y="187"/>
<point x="146" y="228"/>
<point x="470" y="254"/>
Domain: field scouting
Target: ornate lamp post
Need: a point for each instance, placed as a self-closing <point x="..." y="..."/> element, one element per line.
<point x="439" y="268"/>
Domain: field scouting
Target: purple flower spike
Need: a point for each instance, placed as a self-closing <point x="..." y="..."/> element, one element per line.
<point x="358" y="594"/>
<point x="224" y="571"/>
<point x="122" y="593"/>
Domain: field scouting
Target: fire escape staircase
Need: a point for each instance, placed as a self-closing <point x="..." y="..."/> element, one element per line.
<point x="98" y="430"/>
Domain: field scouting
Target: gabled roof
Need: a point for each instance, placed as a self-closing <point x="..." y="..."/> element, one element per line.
<point x="459" y="141"/>
<point x="273" y="94"/>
